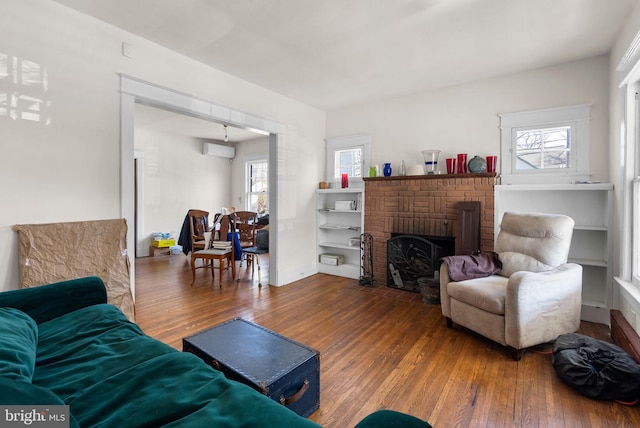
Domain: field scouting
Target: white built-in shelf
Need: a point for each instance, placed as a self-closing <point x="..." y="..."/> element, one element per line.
<point x="339" y="227"/>
<point x="335" y="229"/>
<point x="339" y="211"/>
<point x="589" y="262"/>
<point x="339" y="245"/>
<point x="596" y="228"/>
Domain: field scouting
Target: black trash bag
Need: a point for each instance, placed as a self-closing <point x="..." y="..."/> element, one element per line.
<point x="595" y="368"/>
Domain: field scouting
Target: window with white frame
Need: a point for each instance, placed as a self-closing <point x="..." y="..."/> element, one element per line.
<point x="628" y="79"/>
<point x="633" y="128"/>
<point x="350" y="154"/>
<point x="349" y="161"/>
<point x="545" y="146"/>
<point x="628" y="73"/>
<point x="257" y="186"/>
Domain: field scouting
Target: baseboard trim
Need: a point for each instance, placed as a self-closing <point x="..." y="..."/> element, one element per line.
<point x="624" y="335"/>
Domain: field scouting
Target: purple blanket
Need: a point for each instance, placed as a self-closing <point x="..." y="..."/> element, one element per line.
<point x="473" y="266"/>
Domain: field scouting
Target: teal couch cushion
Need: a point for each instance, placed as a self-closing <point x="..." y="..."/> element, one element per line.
<point x="18" y="341"/>
<point x="111" y="374"/>
<point x="46" y="302"/>
<point x="23" y="393"/>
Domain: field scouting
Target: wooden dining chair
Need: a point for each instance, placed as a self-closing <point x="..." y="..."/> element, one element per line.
<point x="246" y="222"/>
<point x="199" y="225"/>
<point x="216" y="249"/>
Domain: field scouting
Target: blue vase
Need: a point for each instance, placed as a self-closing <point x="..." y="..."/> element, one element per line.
<point x="387" y="170"/>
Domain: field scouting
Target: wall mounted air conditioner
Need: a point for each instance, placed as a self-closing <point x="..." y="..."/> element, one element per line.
<point x="218" y="150"/>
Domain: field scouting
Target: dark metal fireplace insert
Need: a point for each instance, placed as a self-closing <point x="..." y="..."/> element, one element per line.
<point x="414" y="261"/>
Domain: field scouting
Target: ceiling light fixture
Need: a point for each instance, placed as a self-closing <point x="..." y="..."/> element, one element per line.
<point x="226" y="138"/>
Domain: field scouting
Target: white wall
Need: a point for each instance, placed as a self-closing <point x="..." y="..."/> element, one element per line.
<point x="68" y="169"/>
<point x="464" y="118"/>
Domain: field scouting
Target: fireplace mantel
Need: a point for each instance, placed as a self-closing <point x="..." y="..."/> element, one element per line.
<point x="424" y="205"/>
<point x="432" y="176"/>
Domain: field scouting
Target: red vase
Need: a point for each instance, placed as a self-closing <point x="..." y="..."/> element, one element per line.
<point x="462" y="163"/>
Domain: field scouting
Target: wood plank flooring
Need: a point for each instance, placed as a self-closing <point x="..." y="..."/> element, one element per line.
<point x="379" y="350"/>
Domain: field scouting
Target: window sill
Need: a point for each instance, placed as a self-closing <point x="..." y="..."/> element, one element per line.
<point x="631" y="292"/>
<point x="546" y="178"/>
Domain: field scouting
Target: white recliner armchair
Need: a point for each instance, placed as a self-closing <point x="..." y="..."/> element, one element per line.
<point x="533" y="299"/>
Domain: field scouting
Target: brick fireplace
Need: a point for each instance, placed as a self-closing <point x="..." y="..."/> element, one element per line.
<point x="424" y="205"/>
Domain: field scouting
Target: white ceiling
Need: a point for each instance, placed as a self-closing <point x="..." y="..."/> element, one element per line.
<point x="168" y="122"/>
<point x="334" y="53"/>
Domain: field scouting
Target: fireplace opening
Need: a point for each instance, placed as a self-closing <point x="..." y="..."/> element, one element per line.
<point x="413" y="261"/>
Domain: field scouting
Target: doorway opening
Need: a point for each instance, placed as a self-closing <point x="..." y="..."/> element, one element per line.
<point x="177" y="170"/>
<point x="137" y="91"/>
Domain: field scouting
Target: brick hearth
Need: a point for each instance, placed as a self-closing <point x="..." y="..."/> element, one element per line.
<point x="423" y="205"/>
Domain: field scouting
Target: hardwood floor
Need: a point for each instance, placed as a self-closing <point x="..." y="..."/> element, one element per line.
<point x="378" y="350"/>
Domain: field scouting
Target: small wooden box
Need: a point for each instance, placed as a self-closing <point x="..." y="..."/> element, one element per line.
<point x="282" y="369"/>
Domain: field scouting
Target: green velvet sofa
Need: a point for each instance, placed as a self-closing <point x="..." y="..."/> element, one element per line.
<point x="62" y="344"/>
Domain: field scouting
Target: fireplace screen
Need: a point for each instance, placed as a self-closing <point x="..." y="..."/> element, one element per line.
<point x="414" y="260"/>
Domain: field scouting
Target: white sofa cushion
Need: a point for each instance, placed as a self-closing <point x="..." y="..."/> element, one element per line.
<point x="486" y="293"/>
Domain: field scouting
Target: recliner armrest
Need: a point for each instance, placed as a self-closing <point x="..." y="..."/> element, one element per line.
<point x="568" y="275"/>
<point x="534" y="299"/>
<point x="445" y="279"/>
<point x="46" y="302"/>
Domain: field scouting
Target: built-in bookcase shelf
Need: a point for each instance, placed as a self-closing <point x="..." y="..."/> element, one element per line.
<point x="591" y="207"/>
<point x="338" y="230"/>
